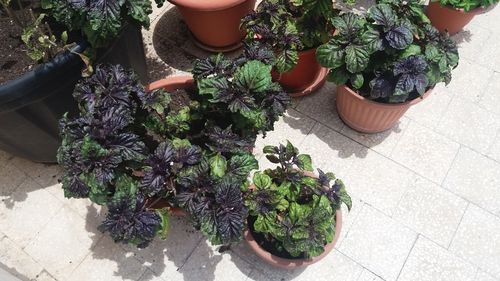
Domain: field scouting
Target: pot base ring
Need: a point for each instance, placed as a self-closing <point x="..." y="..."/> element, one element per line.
<point x="213" y="49"/>
<point x="315" y="85"/>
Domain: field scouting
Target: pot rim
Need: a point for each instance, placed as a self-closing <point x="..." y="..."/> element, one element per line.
<point x="182" y="81"/>
<point x="207" y="5"/>
<point x="294" y="263"/>
<point x="407" y="103"/>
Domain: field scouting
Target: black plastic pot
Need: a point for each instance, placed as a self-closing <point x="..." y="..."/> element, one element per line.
<point x="31" y="106"/>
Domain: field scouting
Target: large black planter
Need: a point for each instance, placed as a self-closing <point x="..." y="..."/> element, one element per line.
<point x="31" y="106"/>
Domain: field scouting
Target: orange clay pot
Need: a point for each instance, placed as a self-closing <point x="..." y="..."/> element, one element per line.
<point x="285" y="263"/>
<point x="305" y="78"/>
<point x="215" y="24"/>
<point x="367" y="116"/>
<point x="450" y="19"/>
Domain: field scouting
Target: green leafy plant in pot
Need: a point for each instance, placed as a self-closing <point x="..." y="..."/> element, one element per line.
<point x="453" y="15"/>
<point x="293" y="30"/>
<point x="294" y="215"/>
<point x="385" y="63"/>
<point x="142" y="153"/>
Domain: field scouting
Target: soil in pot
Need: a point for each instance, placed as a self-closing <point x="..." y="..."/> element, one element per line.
<point x="305" y="78"/>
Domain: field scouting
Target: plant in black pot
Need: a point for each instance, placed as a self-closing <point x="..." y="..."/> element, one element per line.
<point x="48" y="43"/>
<point x="294" y="215"/>
<point x="293" y="30"/>
<point x="182" y="148"/>
<point x="385" y="63"/>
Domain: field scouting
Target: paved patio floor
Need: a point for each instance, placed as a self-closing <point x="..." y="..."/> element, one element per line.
<point x="426" y="194"/>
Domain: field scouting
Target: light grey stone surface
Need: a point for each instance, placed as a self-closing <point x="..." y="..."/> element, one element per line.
<point x="15" y="261"/>
<point x="378" y="243"/>
<point x="478" y="240"/>
<point x="475" y="178"/>
<point x="430" y="111"/>
<point x="430" y="262"/>
<point x="431" y="210"/>
<point x="426" y="152"/>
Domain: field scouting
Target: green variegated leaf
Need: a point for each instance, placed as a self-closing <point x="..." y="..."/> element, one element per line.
<point x="339" y="76"/>
<point x="305" y="162"/>
<point x="162" y="231"/>
<point x="262" y="181"/>
<point x="357" y="58"/>
<point x="330" y="55"/>
<point x="218" y="166"/>
<point x="254" y="76"/>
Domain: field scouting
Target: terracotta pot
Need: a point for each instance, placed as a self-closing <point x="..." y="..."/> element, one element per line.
<point x="306" y="77"/>
<point x="368" y="116"/>
<point x="449" y="18"/>
<point x="163" y="203"/>
<point x="215" y="24"/>
<point x="173" y="83"/>
<point x="293" y="263"/>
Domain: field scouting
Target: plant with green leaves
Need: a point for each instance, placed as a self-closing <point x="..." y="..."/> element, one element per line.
<point x="291" y="211"/>
<point x="100" y="21"/>
<point x="287" y="27"/>
<point x="467" y="5"/>
<point x="392" y="55"/>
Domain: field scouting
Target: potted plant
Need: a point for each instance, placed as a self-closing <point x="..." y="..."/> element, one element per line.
<point x="453" y="15"/>
<point x="183" y="143"/>
<point x="294" y="216"/>
<point x="293" y="30"/>
<point x="53" y="41"/>
<point x="215" y="24"/>
<point x="385" y="63"/>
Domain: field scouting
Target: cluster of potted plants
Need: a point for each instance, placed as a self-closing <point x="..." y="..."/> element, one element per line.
<point x="186" y="142"/>
<point x="54" y="41"/>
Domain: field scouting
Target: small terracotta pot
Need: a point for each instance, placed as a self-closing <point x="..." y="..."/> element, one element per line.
<point x="293" y="263"/>
<point x="163" y="203"/>
<point x="215" y="24"/>
<point x="306" y="77"/>
<point x="367" y="116"/>
<point x="173" y="83"/>
<point x="451" y="19"/>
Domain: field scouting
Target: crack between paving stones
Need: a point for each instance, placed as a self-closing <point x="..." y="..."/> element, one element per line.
<point x="190" y="254"/>
<point x="458" y="226"/>
<point x="451" y="165"/>
<point x="409" y="253"/>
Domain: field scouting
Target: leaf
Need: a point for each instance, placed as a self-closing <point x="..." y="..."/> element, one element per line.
<point x="240" y="166"/>
<point x="399" y="37"/>
<point x="286" y="60"/>
<point x="381" y="88"/>
<point x="357" y="80"/>
<point x="305" y="162"/>
<point x="262" y="181"/>
<point x="254" y="76"/>
<point x="382" y="14"/>
<point x="162" y="231"/>
<point x="330" y="55"/>
<point x="411" y="51"/>
<point x="339" y="76"/>
<point x="357" y="58"/>
<point x="218" y="166"/>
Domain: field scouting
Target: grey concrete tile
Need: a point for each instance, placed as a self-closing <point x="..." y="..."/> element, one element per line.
<point x="491" y="96"/>
<point x="10" y="178"/>
<point x="349" y="217"/>
<point x="494" y="151"/>
<point x="476" y="178"/>
<point x="364" y="181"/>
<point x="44" y="276"/>
<point x="429" y="111"/>
<point x="366" y="275"/>
<point x="321" y="106"/>
<point x="378" y="243"/>
<point x="206" y="263"/>
<point x="430" y="262"/>
<point x="151" y="276"/>
<point x="163" y="258"/>
<point x="4" y="157"/>
<point x="293" y="126"/>
<point x="488" y="56"/>
<point x="478" y="240"/>
<point x="476" y="84"/>
<point x="108" y="262"/>
<point x="334" y="267"/>
<point x="44" y="174"/>
<point x="28" y="209"/>
<point x="431" y="210"/>
<point x="488" y="20"/>
<point x="425" y="152"/>
<point x="469" y="124"/>
<point x="63" y="243"/>
<point x="483" y="276"/>
<point x="332" y="151"/>
<point x="471" y="40"/>
<point x="382" y="143"/>
<point x="16" y="261"/>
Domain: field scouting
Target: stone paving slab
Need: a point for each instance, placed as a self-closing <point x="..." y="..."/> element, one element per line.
<point x="426" y="193"/>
